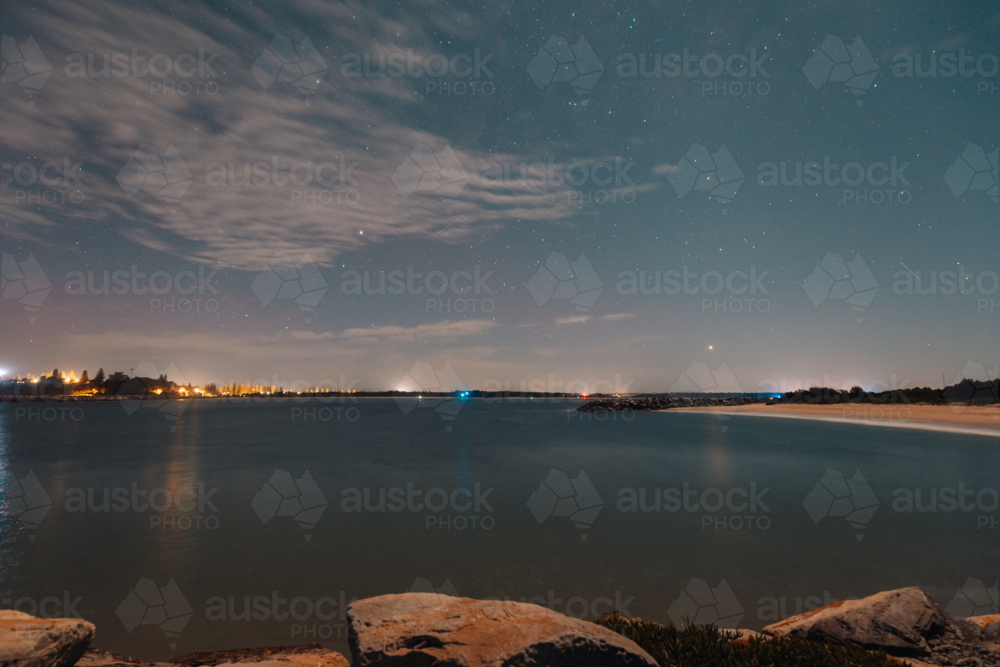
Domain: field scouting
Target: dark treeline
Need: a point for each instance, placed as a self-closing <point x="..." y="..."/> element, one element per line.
<point x="971" y="392"/>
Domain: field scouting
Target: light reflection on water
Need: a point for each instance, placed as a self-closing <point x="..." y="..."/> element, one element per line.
<point x="222" y="552"/>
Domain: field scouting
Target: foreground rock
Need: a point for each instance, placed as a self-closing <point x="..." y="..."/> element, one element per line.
<point x="905" y="622"/>
<point x="26" y="641"/>
<point x="901" y="622"/>
<point x="310" y="655"/>
<point x="95" y="657"/>
<point x="423" y="629"/>
<point x="989" y="626"/>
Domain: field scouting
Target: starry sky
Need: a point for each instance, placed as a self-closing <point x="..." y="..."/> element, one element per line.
<point x="576" y="196"/>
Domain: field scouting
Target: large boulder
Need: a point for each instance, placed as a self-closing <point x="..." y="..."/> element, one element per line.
<point x="424" y="629"/>
<point x="308" y="655"/>
<point x="903" y="622"/>
<point x="26" y="641"/>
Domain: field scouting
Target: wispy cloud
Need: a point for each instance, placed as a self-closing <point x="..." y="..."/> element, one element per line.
<point x="439" y="330"/>
<point x="241" y="126"/>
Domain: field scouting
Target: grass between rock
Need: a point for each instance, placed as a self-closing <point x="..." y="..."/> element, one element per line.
<point x="707" y="646"/>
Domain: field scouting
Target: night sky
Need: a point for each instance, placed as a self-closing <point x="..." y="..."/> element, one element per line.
<point x="607" y="192"/>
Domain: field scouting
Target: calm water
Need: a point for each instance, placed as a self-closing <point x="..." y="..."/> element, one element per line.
<point x="225" y="548"/>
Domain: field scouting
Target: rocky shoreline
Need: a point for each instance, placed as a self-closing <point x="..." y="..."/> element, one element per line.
<point x="903" y="626"/>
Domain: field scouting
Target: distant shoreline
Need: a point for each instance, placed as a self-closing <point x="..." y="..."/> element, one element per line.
<point x="963" y="419"/>
<point x="288" y="396"/>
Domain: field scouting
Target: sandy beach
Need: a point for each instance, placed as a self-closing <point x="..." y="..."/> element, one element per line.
<point x="979" y="420"/>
